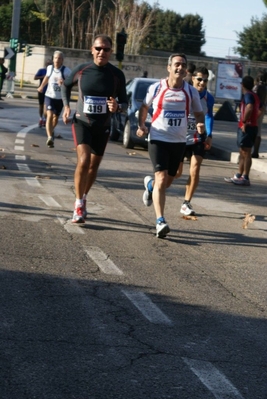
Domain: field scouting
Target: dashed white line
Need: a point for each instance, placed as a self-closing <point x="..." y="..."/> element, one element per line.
<point x="71" y="228"/>
<point x="49" y="201"/>
<point x="22" y="134"/>
<point x="20" y="157"/>
<point x="31" y="181"/>
<point x="148" y="309"/>
<point x="19" y="141"/>
<point x="215" y="381"/>
<point x="18" y="148"/>
<point x="24" y="167"/>
<point x="103" y="261"/>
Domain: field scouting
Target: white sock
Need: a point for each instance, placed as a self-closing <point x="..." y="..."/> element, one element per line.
<point x="78" y="203"/>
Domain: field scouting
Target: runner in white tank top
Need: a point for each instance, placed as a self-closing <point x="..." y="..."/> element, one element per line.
<point x="171" y="99"/>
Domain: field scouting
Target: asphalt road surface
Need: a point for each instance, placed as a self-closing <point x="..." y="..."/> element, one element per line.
<point x="108" y="310"/>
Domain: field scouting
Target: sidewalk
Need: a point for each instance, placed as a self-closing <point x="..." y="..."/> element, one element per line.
<point x="224" y="144"/>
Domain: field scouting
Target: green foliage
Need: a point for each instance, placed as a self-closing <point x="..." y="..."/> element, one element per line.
<point x="40" y="15"/>
<point x="252" y="42"/>
<point x="172" y="32"/>
<point x="66" y="24"/>
<point x="5" y="21"/>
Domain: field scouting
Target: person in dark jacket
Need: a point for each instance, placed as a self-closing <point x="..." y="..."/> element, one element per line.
<point x="3" y="71"/>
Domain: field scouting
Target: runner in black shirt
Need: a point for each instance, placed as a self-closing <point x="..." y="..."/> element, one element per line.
<point x="99" y="84"/>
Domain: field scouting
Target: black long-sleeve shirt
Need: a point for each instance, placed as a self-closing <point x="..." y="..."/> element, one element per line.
<point x="95" y="85"/>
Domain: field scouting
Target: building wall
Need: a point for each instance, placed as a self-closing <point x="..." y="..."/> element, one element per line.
<point x="155" y="63"/>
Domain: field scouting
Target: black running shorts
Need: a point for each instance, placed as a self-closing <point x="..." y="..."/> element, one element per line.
<point x="194" y="149"/>
<point x="53" y="105"/>
<point x="94" y="136"/>
<point x="165" y="156"/>
<point x="247" y="139"/>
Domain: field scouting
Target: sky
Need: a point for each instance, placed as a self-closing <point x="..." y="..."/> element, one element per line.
<point x="221" y="18"/>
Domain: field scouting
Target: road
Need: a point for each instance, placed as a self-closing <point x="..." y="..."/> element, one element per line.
<point x="108" y="310"/>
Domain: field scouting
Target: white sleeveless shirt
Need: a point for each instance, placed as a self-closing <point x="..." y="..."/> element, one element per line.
<point x="54" y="87"/>
<point x="170" y="110"/>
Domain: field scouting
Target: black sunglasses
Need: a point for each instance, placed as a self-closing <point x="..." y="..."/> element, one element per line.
<point x="200" y="79"/>
<point x="105" y="49"/>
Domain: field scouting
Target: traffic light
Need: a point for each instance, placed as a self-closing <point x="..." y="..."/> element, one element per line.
<point x="14" y="44"/>
<point x="22" y="47"/>
<point x="28" y="50"/>
<point x="121" y="39"/>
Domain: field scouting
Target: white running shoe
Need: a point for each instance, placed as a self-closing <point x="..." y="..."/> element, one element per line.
<point x="186" y="209"/>
<point x="78" y="215"/>
<point x="147" y="196"/>
<point x="230" y="179"/>
<point x="162" y="229"/>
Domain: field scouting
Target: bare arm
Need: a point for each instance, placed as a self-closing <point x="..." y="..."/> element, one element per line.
<point x="200" y="122"/>
<point x="142" y="129"/>
<point x="44" y="83"/>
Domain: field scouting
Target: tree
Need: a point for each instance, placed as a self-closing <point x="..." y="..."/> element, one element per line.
<point x="252" y="42"/>
<point x="172" y="32"/>
<point x="5" y="21"/>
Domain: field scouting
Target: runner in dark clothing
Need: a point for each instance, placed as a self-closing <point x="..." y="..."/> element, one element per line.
<point x="100" y="85"/>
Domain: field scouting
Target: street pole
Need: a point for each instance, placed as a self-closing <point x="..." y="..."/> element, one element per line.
<point x="23" y="65"/>
<point x="14" y="35"/>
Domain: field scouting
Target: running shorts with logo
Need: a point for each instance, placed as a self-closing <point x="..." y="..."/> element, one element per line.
<point x="94" y="136"/>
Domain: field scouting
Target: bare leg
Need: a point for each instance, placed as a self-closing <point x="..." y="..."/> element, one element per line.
<point x="245" y="161"/>
<point x="49" y="124"/>
<point x="92" y="172"/>
<point x="256" y="147"/>
<point x="179" y="171"/>
<point x="162" y="181"/>
<point x="193" y="179"/>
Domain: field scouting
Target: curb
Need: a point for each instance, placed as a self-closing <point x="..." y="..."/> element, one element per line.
<point x="259" y="165"/>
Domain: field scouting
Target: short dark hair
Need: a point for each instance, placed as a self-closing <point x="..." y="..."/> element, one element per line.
<point x="105" y="38"/>
<point x="201" y="69"/>
<point x="248" y="82"/>
<point x="176" y="55"/>
<point x="261" y="78"/>
<point x="191" y="67"/>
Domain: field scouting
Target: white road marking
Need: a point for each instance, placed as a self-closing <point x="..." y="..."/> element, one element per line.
<point x="49" y="201"/>
<point x="147" y="307"/>
<point x="18" y="148"/>
<point x="28" y="128"/>
<point x="21" y="134"/>
<point x="19" y="141"/>
<point x="32" y="182"/>
<point x="20" y="157"/>
<point x="24" y="167"/>
<point x="70" y="227"/>
<point x="215" y="381"/>
<point x="103" y="261"/>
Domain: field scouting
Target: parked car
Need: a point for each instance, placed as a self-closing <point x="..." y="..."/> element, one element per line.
<point x="124" y="125"/>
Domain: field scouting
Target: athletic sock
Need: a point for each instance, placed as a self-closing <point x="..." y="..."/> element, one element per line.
<point x="150" y="186"/>
<point x="78" y="203"/>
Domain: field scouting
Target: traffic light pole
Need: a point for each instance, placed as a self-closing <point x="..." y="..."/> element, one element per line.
<point x="14" y="35"/>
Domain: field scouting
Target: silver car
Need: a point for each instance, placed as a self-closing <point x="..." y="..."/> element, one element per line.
<point x="124" y="125"/>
